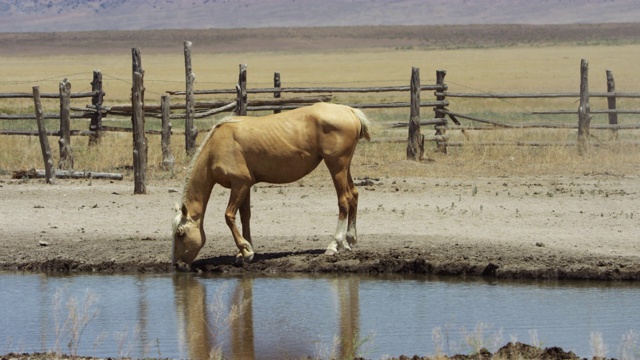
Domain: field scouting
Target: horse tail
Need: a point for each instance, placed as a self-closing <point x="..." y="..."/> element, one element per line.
<point x="364" y="124"/>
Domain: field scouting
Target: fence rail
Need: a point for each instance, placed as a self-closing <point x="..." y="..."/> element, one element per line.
<point x="310" y="90"/>
<point x="536" y="95"/>
<point x="583" y="111"/>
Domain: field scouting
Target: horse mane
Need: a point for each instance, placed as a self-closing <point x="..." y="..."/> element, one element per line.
<point x="196" y="154"/>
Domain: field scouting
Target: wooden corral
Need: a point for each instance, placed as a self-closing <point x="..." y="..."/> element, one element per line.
<point x="444" y="118"/>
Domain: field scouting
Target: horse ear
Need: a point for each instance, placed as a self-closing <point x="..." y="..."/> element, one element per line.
<point x="184" y="210"/>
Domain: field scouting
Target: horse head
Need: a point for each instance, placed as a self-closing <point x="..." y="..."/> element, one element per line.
<point x="188" y="238"/>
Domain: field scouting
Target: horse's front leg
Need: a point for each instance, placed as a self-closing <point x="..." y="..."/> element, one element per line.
<point x="236" y="200"/>
<point x="245" y="218"/>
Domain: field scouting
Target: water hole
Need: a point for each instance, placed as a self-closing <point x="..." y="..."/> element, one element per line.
<point x="191" y="316"/>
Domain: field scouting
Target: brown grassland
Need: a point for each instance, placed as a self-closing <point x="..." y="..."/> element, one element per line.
<point x="478" y="59"/>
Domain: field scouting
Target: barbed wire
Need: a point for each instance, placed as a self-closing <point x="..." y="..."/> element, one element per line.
<point x="489" y="93"/>
<point x="231" y="84"/>
<point x="87" y="78"/>
<point x="58" y="78"/>
<point x="48" y="79"/>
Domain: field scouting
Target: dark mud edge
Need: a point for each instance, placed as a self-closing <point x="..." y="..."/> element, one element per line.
<point x="509" y="351"/>
<point x="567" y="267"/>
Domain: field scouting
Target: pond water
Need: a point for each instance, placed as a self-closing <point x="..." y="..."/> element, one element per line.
<point x="189" y="315"/>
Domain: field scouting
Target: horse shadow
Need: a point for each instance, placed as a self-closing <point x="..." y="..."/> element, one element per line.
<point x="218" y="263"/>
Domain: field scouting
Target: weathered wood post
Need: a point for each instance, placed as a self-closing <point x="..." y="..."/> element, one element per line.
<point x="584" y="117"/>
<point x="415" y="145"/>
<point x="241" y="91"/>
<point x="277" y="86"/>
<point x="190" y="131"/>
<point x="139" y="139"/>
<point x="44" y="141"/>
<point x="167" y="156"/>
<point x="96" y="101"/>
<point x="611" y="101"/>
<point x="66" y="152"/>
<point x="441" y="129"/>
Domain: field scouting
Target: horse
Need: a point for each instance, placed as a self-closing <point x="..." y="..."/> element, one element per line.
<point x="240" y="151"/>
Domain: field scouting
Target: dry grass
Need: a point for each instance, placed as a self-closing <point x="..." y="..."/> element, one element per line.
<point x="506" y="69"/>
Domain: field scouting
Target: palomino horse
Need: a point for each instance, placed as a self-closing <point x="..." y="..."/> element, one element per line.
<point x="280" y="148"/>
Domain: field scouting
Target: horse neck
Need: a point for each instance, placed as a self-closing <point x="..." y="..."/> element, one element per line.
<point x="198" y="188"/>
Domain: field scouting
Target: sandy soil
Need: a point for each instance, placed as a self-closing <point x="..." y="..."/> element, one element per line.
<point x="559" y="227"/>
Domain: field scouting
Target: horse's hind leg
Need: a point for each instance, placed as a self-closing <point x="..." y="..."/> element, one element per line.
<point x="352" y="234"/>
<point x="236" y="200"/>
<point x="346" y="202"/>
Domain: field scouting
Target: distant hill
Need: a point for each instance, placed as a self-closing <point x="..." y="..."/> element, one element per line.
<point x="318" y="38"/>
<point x="83" y="15"/>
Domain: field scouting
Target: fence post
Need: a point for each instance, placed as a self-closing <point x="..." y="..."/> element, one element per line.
<point x="415" y="145"/>
<point x="441" y="129"/>
<point x="66" y="152"/>
<point x="44" y="141"/>
<point x="241" y="90"/>
<point x="190" y="132"/>
<point x="584" y="117"/>
<point x="96" y="101"/>
<point x="139" y="139"/>
<point x="276" y="85"/>
<point x="167" y="156"/>
<point x="611" y="101"/>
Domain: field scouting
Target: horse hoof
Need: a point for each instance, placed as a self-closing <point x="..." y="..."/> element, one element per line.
<point x="244" y="258"/>
<point x="330" y="252"/>
<point x="181" y="268"/>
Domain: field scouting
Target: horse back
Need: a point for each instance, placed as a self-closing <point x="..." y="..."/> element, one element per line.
<point x="285" y="147"/>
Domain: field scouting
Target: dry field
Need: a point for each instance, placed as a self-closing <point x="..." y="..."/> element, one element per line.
<point x="497" y="63"/>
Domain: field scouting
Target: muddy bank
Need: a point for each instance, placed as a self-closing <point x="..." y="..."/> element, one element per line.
<point x="509" y="351"/>
<point x="439" y="260"/>
<point x="581" y="227"/>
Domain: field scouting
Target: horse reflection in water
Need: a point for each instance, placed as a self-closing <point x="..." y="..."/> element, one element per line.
<point x="348" y="296"/>
<point x="204" y="323"/>
<point x="192" y="314"/>
<point x="242" y="340"/>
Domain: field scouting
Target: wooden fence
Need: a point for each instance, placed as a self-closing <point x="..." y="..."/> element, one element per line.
<point x="584" y="112"/>
<point x="241" y="104"/>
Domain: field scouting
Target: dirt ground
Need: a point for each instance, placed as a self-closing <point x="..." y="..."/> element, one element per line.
<point x="553" y="227"/>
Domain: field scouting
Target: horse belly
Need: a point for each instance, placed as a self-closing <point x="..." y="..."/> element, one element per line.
<point x="284" y="168"/>
<point x="278" y="150"/>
